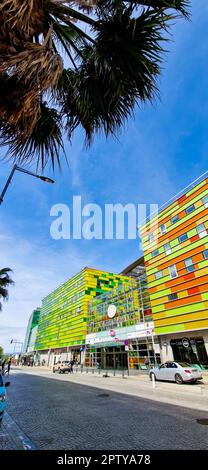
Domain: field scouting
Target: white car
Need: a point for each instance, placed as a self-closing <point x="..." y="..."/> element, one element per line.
<point x="178" y="372"/>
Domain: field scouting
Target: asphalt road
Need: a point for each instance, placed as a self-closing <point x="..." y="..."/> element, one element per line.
<point x="55" y="414"/>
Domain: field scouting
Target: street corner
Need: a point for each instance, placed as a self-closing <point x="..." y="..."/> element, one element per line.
<point x="12" y="437"/>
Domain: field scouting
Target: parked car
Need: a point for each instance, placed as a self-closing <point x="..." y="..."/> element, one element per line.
<point x="178" y="372"/>
<point x="62" y="367"/>
<point x="3" y="397"/>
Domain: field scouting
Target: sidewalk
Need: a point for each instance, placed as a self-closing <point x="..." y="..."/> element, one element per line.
<point x="12" y="437"/>
<point x="194" y="396"/>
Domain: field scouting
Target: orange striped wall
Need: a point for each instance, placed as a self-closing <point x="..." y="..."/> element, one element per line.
<point x="180" y="302"/>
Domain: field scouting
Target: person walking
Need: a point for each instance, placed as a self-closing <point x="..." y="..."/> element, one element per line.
<point x="3" y="366"/>
<point x="147" y="363"/>
<point x="71" y="366"/>
<point x="9" y="365"/>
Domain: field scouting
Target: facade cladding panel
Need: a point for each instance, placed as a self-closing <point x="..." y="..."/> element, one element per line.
<point x="180" y="234"/>
<point x="64" y="311"/>
<point x="31" y="330"/>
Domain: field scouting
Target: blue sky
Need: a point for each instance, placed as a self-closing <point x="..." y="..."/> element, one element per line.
<point x="156" y="155"/>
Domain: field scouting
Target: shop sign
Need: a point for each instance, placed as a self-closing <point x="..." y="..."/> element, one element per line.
<point x="185" y="342"/>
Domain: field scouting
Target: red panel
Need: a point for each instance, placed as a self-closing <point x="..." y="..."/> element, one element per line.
<point x="194" y="238"/>
<point x="181" y="199"/>
<point x="193" y="290"/>
<point x="189" y="276"/>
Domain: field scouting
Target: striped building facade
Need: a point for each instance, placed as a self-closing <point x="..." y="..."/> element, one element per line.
<point x="62" y="325"/>
<point x="175" y="245"/>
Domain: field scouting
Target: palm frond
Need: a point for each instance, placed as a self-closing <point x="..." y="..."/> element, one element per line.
<point x="116" y="50"/>
<point x="45" y="142"/>
<point x="5" y="282"/>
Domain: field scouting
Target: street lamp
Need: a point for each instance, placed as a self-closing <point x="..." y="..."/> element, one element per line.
<point x="23" y="170"/>
<point x="15" y="343"/>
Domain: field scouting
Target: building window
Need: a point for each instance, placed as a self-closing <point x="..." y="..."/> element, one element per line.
<point x="163" y="228"/>
<point x="158" y="275"/>
<point x="155" y="253"/>
<point x="183" y="238"/>
<point x="173" y="296"/>
<point x="201" y="230"/>
<point x="205" y="254"/>
<point x="151" y="237"/>
<point x="189" y="265"/>
<point x="173" y="271"/>
<point x="190" y="209"/>
<point x="174" y="219"/>
<point x="205" y="200"/>
<point x="167" y="249"/>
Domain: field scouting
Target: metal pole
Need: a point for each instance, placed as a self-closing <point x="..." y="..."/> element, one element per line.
<point x="7" y="183"/>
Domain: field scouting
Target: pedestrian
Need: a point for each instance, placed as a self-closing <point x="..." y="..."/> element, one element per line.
<point x="71" y="366"/>
<point x="147" y="362"/>
<point x="9" y="365"/>
<point x="3" y="366"/>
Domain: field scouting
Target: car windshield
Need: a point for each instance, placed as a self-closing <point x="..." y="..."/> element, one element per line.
<point x="184" y="364"/>
<point x="1" y="381"/>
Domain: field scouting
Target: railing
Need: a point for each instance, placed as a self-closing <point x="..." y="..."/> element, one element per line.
<point x="105" y="372"/>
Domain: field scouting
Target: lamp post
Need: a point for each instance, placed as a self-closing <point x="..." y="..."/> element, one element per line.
<point x="22" y="170"/>
<point x="16" y="342"/>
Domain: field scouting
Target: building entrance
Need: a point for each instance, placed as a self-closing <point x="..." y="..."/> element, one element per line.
<point x="114" y="358"/>
<point x="191" y="350"/>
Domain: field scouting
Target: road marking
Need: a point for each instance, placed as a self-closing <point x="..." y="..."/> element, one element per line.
<point x="21" y="441"/>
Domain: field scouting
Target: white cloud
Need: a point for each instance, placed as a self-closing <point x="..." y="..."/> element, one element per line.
<point x="37" y="270"/>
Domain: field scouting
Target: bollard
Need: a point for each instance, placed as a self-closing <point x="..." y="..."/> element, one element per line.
<point x="153" y="380"/>
<point x="123" y="373"/>
<point x="114" y="372"/>
<point x="87" y="370"/>
<point x="99" y="371"/>
<point x="93" y="371"/>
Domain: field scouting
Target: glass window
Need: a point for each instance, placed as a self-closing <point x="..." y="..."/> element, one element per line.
<point x="190" y="209"/>
<point x="167" y="248"/>
<point x="201" y="230"/>
<point x="163" y="228"/>
<point x="189" y="265"/>
<point x="173" y="271"/>
<point x="151" y="237"/>
<point x="158" y="275"/>
<point x="155" y="253"/>
<point x="183" y="238"/>
<point x="173" y="296"/>
<point x="205" y="254"/>
<point x="171" y="365"/>
<point x="205" y="200"/>
<point x="174" y="219"/>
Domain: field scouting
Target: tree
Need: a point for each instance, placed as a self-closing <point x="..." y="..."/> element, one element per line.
<point x="5" y="282"/>
<point x="1" y="352"/>
<point x="86" y="63"/>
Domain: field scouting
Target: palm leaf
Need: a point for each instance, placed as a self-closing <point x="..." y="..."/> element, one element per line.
<point x="115" y="48"/>
<point x="44" y="143"/>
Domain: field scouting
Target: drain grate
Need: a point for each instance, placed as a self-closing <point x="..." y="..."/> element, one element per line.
<point x="204" y="422"/>
<point x="103" y="395"/>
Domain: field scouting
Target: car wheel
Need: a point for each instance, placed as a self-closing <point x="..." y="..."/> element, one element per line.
<point x="152" y="375"/>
<point x="178" y="379"/>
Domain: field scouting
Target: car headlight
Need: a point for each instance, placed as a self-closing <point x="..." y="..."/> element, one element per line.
<point x="2" y="397"/>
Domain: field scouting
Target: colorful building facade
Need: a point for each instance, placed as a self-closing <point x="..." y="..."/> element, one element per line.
<point x="63" y="321"/>
<point x="31" y="332"/>
<point x="120" y="328"/>
<point x="175" y="245"/>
